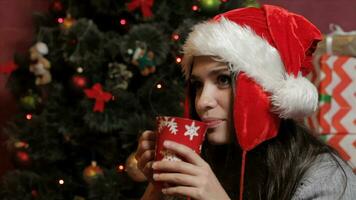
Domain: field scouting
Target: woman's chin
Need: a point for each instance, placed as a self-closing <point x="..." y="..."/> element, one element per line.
<point x="216" y="140"/>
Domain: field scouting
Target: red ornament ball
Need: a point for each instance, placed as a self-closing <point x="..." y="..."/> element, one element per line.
<point x="34" y="193"/>
<point x="56" y="6"/>
<point x="22" y="158"/>
<point x="79" y="81"/>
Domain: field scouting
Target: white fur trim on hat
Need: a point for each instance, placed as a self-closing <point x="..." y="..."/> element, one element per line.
<point x="292" y="97"/>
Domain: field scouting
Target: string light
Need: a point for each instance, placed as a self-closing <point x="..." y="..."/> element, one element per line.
<point x="178" y="60"/>
<point x="60" y="20"/>
<point x="159" y="86"/>
<point x="80" y="70"/>
<point x="175" y="37"/>
<point x="123" y="22"/>
<point x="120" y="168"/>
<point x="195" y="8"/>
<point x="29" y="116"/>
<point x="61" y="181"/>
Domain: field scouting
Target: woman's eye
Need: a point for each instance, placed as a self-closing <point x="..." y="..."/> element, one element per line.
<point x="223" y="80"/>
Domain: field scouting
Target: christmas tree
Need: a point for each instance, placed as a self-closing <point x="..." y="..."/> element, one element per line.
<point x="96" y="76"/>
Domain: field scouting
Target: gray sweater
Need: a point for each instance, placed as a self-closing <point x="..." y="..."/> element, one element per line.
<point x="325" y="181"/>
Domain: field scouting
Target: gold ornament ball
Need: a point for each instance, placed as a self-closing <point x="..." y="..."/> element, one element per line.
<point x="132" y="169"/>
<point x="210" y="5"/>
<point x="92" y="172"/>
<point x="21" y="145"/>
<point x="251" y="3"/>
<point x="68" y="22"/>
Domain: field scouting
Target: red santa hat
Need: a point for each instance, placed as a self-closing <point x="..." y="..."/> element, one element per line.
<point x="269" y="49"/>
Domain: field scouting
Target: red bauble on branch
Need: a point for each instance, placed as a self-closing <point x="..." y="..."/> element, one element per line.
<point x="57" y="6"/>
<point x="79" y="81"/>
<point x="100" y="96"/>
<point x="145" y="5"/>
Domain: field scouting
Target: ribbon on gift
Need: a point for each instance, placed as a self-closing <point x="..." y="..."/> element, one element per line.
<point x="325" y="98"/>
<point x="337" y="30"/>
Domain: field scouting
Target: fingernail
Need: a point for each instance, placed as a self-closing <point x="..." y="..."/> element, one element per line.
<point x="167" y="143"/>
<point x="164" y="191"/>
<point x="154" y="165"/>
<point x="155" y="176"/>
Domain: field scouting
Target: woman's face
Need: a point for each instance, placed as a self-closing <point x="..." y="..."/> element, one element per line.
<point x="211" y="81"/>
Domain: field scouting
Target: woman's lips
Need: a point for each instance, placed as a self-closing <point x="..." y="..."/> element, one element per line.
<point x="213" y="123"/>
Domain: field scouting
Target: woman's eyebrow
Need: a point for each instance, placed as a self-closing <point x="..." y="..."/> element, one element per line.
<point x="214" y="71"/>
<point x="217" y="70"/>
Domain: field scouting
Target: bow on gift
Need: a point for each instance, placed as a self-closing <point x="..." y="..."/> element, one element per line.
<point x="8" y="67"/>
<point x="99" y="95"/>
<point x="145" y="5"/>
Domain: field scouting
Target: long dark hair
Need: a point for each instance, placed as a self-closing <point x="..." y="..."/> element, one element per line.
<point x="274" y="168"/>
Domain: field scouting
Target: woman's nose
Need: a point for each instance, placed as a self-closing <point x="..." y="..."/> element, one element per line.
<point x="206" y="99"/>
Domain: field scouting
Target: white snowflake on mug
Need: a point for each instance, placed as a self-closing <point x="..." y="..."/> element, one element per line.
<point x="169" y="156"/>
<point x="171" y="124"/>
<point x="191" y="130"/>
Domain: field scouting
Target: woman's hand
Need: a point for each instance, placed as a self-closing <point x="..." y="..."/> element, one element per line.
<point x="192" y="177"/>
<point x="145" y="153"/>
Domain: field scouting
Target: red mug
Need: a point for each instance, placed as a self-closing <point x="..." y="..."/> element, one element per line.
<point x="188" y="132"/>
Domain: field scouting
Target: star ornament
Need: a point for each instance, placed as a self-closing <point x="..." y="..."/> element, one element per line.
<point x="191" y="130"/>
<point x="100" y="96"/>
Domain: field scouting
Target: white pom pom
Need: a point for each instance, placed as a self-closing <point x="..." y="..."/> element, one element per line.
<point x="42" y="48"/>
<point x="296" y="98"/>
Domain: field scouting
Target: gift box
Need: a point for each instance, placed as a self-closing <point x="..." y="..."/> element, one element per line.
<point x="336" y="82"/>
<point x="335" y="119"/>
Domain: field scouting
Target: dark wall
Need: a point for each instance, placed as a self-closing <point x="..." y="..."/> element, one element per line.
<point x="15" y="36"/>
<point x="322" y="12"/>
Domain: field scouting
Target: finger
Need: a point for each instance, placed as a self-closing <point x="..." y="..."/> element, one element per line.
<point x="182" y="191"/>
<point x="145" y="158"/>
<point x="177" y="178"/>
<point x="148" y="135"/>
<point x="143" y="147"/>
<point x="178" y="166"/>
<point x="185" y="152"/>
<point x="147" y="171"/>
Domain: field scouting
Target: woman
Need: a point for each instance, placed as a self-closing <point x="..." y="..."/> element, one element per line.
<point x="245" y="70"/>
